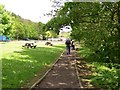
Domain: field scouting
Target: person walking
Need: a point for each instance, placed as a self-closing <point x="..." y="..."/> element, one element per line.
<point x="68" y="43"/>
<point x="73" y="45"/>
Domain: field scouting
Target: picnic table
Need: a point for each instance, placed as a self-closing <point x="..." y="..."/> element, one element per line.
<point x="29" y="45"/>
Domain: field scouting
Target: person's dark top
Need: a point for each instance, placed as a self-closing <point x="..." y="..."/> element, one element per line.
<point x="68" y="42"/>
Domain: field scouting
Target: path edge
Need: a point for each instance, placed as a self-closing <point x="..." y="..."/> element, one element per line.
<point x="79" y="80"/>
<point x="46" y="72"/>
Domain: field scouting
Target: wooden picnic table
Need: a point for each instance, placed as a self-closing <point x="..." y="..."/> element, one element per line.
<point x="29" y="45"/>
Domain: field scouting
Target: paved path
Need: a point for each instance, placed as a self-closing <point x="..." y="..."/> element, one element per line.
<point x="62" y="75"/>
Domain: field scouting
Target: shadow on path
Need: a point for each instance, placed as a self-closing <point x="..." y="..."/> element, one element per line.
<point x="62" y="75"/>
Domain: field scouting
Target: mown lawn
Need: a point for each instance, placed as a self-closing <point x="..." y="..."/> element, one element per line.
<point x="21" y="64"/>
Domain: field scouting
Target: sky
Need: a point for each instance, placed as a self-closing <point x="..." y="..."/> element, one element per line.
<point x="29" y="9"/>
<point x="66" y="29"/>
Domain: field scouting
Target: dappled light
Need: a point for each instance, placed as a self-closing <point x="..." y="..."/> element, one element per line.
<point x="62" y="74"/>
<point x="22" y="64"/>
<point x="84" y="73"/>
<point x="101" y="73"/>
<point x="86" y="35"/>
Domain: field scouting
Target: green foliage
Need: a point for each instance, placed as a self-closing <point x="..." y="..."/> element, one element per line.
<point x="94" y="23"/>
<point x="51" y="34"/>
<point x="26" y="28"/>
<point x="97" y="25"/>
<point x="105" y="75"/>
<point x="53" y="25"/>
<point x="5" y="22"/>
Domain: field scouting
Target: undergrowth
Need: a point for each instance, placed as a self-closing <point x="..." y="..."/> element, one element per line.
<point x="105" y="75"/>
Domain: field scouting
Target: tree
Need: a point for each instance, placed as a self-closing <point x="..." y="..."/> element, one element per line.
<point x="5" y="22"/>
<point x="24" y="28"/>
<point x="51" y="34"/>
<point x="94" y="23"/>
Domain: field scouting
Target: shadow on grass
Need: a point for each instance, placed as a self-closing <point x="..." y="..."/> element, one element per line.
<point x="23" y="65"/>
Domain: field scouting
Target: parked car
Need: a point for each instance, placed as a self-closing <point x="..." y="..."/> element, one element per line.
<point x="26" y="39"/>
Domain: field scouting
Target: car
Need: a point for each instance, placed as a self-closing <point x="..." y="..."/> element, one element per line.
<point x="26" y="39"/>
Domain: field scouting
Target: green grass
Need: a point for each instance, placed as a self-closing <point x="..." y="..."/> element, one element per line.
<point x="105" y="75"/>
<point x="21" y="64"/>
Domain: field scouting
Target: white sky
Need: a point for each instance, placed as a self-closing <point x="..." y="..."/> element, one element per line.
<point x="29" y="9"/>
<point x="33" y="10"/>
<point x="66" y="29"/>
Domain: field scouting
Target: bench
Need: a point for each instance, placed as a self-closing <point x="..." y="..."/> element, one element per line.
<point x="49" y="43"/>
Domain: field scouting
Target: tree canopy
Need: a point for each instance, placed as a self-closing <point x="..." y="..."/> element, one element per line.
<point x="94" y="23"/>
<point x="5" y="22"/>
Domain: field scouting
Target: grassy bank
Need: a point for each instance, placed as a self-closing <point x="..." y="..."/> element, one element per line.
<point x="106" y="75"/>
<point x="21" y="64"/>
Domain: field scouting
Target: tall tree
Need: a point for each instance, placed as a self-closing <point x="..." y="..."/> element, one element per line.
<point x="95" y="23"/>
<point x="5" y="22"/>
